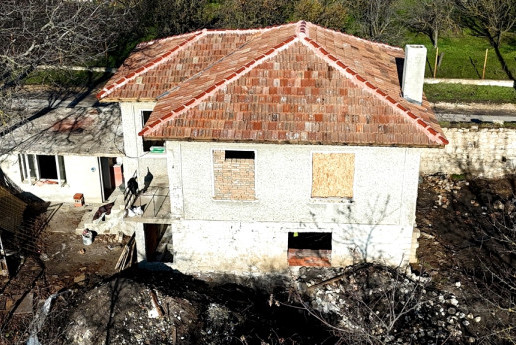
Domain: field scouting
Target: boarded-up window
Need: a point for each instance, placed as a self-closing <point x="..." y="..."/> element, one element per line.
<point x="332" y="175"/>
<point x="233" y="175"/>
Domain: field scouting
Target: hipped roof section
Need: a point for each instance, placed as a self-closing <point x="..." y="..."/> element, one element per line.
<point x="294" y="83"/>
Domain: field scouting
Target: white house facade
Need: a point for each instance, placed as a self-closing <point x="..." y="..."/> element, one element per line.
<point x="258" y="150"/>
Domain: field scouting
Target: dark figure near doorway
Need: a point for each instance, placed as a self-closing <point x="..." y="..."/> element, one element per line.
<point x="132" y="185"/>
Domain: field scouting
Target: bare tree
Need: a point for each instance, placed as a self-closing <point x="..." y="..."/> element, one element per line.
<point x="378" y="305"/>
<point x="376" y="18"/>
<point x="53" y="33"/>
<point x="496" y="272"/>
<point x="431" y="17"/>
<point x="491" y="19"/>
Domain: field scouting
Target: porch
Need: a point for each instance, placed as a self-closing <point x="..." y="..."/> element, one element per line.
<point x="154" y="203"/>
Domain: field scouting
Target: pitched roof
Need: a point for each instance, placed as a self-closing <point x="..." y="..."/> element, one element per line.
<point x="296" y="83"/>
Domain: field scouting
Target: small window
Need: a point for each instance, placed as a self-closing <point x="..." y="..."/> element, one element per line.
<point x="147" y="144"/>
<point x="145" y="116"/>
<point x="332" y="175"/>
<point x="233" y="175"/>
<point x="309" y="249"/>
<point x="239" y="155"/>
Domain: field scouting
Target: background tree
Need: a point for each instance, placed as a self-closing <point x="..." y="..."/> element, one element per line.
<point x="52" y="33"/>
<point x="253" y="13"/>
<point x="491" y="19"/>
<point x="430" y="17"/>
<point x="330" y="14"/>
<point x="376" y="19"/>
<point x="159" y="18"/>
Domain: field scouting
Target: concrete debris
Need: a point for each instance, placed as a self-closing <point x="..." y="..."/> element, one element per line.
<point x="427" y="314"/>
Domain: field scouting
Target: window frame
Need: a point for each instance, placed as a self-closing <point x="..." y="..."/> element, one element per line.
<point x="148" y="142"/>
<point x="333" y="199"/>
<point x="28" y="175"/>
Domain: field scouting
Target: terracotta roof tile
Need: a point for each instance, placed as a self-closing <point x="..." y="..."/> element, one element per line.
<point x="297" y="83"/>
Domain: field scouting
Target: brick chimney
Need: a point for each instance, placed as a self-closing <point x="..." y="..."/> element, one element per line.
<point x="413" y="73"/>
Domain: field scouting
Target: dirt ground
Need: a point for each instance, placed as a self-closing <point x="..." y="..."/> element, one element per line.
<point x="467" y="245"/>
<point x="458" y="247"/>
<point x="63" y="262"/>
<point x="65" y="254"/>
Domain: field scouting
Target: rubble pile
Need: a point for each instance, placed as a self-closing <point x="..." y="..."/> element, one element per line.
<point x="123" y="312"/>
<point x="385" y="305"/>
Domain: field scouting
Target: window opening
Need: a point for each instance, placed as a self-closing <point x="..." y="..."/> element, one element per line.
<point x="309" y="249"/>
<point x="47" y="167"/>
<point x="234" y="175"/>
<point x="239" y="154"/>
<point x="42" y="167"/>
<point x="148" y="144"/>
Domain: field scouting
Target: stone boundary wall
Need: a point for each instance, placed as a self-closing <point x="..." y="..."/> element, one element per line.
<point x="481" y="152"/>
<point x="479" y="82"/>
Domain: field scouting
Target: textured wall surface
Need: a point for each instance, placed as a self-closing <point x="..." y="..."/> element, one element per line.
<point x="253" y="247"/>
<point x="481" y="152"/>
<point x="252" y="236"/>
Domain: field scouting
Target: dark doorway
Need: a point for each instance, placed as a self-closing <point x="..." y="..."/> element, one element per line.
<point x="153" y="234"/>
<point x="107" y="175"/>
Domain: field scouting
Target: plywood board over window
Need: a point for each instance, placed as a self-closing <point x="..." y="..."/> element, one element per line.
<point x="332" y="175"/>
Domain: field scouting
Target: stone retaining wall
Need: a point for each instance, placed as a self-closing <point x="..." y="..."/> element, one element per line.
<point x="482" y="152"/>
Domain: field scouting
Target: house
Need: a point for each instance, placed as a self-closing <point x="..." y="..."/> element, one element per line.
<point x="63" y="150"/>
<point x="268" y="148"/>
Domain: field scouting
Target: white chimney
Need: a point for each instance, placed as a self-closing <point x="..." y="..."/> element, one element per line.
<point x="413" y="73"/>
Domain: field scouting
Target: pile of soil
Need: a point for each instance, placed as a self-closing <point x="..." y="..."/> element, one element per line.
<point x="188" y="311"/>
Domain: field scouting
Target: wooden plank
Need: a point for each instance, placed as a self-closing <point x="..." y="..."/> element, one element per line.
<point x="332" y="175"/>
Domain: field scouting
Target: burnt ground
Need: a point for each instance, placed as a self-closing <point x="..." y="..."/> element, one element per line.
<point x="468" y="246"/>
<point x="462" y="287"/>
<point x="57" y="260"/>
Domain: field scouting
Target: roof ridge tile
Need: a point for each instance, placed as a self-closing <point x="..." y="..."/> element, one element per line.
<point x="361" y="81"/>
<point x="245" y="31"/>
<point x="154" y="63"/>
<point x="215" y="87"/>
<point x="385" y="45"/>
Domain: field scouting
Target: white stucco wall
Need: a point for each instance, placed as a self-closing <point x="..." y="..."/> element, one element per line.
<point x="252" y="236"/>
<point x="136" y="160"/>
<point x="82" y="176"/>
<point x="385" y="185"/>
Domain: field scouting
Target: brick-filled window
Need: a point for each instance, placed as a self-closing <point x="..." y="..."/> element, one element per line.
<point x="332" y="175"/>
<point x="233" y="175"/>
